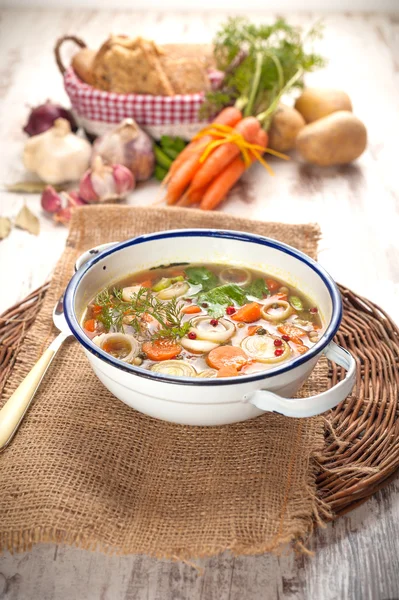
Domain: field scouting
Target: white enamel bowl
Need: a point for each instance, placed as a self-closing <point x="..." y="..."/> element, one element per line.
<point x="200" y="401"/>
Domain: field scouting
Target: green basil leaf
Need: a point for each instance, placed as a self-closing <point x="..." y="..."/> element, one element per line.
<point x="257" y="288"/>
<point x="202" y="275"/>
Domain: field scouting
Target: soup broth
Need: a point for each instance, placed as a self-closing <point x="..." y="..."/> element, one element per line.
<point x="203" y="320"/>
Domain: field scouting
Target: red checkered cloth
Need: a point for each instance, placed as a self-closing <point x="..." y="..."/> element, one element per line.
<point x="109" y="107"/>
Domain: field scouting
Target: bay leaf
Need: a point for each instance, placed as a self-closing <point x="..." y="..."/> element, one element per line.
<point x="26" y="220"/>
<point x="5" y="227"/>
<point x="30" y="187"/>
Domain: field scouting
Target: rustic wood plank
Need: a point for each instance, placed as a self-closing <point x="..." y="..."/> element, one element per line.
<point x="358" y="209"/>
<point x="355" y="558"/>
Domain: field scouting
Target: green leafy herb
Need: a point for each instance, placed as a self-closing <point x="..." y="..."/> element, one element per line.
<point x="114" y="309"/>
<point x="202" y="275"/>
<point x="261" y="63"/>
<point x="257" y="288"/>
<point x="220" y="297"/>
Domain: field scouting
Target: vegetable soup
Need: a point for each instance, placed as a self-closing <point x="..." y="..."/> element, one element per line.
<point x="202" y="320"/>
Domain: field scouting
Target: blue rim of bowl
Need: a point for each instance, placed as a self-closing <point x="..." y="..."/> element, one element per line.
<point x="75" y="327"/>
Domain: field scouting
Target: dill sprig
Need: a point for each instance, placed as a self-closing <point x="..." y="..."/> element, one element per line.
<point x="260" y="63"/>
<point x="114" y="309"/>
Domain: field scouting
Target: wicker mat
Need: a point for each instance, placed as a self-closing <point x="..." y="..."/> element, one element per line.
<point x="86" y="469"/>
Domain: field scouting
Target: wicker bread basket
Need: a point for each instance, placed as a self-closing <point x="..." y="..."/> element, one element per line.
<point x="98" y="111"/>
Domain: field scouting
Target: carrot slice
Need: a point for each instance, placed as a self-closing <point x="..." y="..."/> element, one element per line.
<point x="291" y="330"/>
<point x="191" y="309"/>
<point x="272" y="285"/>
<point x="226" y="356"/>
<point x="248" y="313"/>
<point x="146" y="284"/>
<point x="161" y="349"/>
<point x="301" y="349"/>
<point x="252" y="329"/>
<point x="90" y="325"/>
<point x="96" y="309"/>
<point x="227" y="371"/>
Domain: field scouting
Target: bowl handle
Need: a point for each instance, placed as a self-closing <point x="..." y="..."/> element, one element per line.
<point x="83" y="258"/>
<point x="313" y="405"/>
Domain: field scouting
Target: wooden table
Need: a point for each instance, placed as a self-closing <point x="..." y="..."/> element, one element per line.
<point x="357" y="206"/>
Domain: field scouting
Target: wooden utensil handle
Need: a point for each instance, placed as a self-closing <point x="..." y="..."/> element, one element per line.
<point x="14" y="409"/>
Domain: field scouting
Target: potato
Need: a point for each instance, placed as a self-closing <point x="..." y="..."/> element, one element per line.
<point x="315" y="103"/>
<point x="285" y="126"/>
<point x="334" y="140"/>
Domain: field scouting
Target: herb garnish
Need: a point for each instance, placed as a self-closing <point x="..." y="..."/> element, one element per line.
<point x="203" y="276"/>
<point x="257" y="288"/>
<point x="115" y="309"/>
<point x="260" y="64"/>
<point x="219" y="298"/>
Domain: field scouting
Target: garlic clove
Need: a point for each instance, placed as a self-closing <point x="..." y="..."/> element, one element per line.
<point x="51" y="200"/>
<point x="63" y="216"/>
<point x="74" y="199"/>
<point x="70" y="201"/>
<point x="86" y="189"/>
<point x="124" y="179"/>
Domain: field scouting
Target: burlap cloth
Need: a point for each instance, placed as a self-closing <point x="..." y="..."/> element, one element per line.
<point x="87" y="470"/>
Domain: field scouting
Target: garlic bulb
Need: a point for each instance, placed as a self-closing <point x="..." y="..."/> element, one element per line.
<point x="127" y="145"/>
<point x="104" y="183"/>
<point x="57" y="155"/>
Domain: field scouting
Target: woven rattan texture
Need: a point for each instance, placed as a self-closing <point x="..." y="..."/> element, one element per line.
<point x="362" y="433"/>
<point x="86" y="469"/>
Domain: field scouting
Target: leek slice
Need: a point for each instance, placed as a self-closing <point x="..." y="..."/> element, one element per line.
<point x="177" y="368"/>
<point x="126" y="347"/>
<point x="280" y="316"/>
<point x="128" y="292"/>
<point x="197" y="346"/>
<point x="241" y="277"/>
<point x="208" y="373"/>
<point x="295" y="302"/>
<point x="174" y="291"/>
<point x="262" y="348"/>
<point x="204" y="330"/>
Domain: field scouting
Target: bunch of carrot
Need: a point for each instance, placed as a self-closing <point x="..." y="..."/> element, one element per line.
<point x="215" y="159"/>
